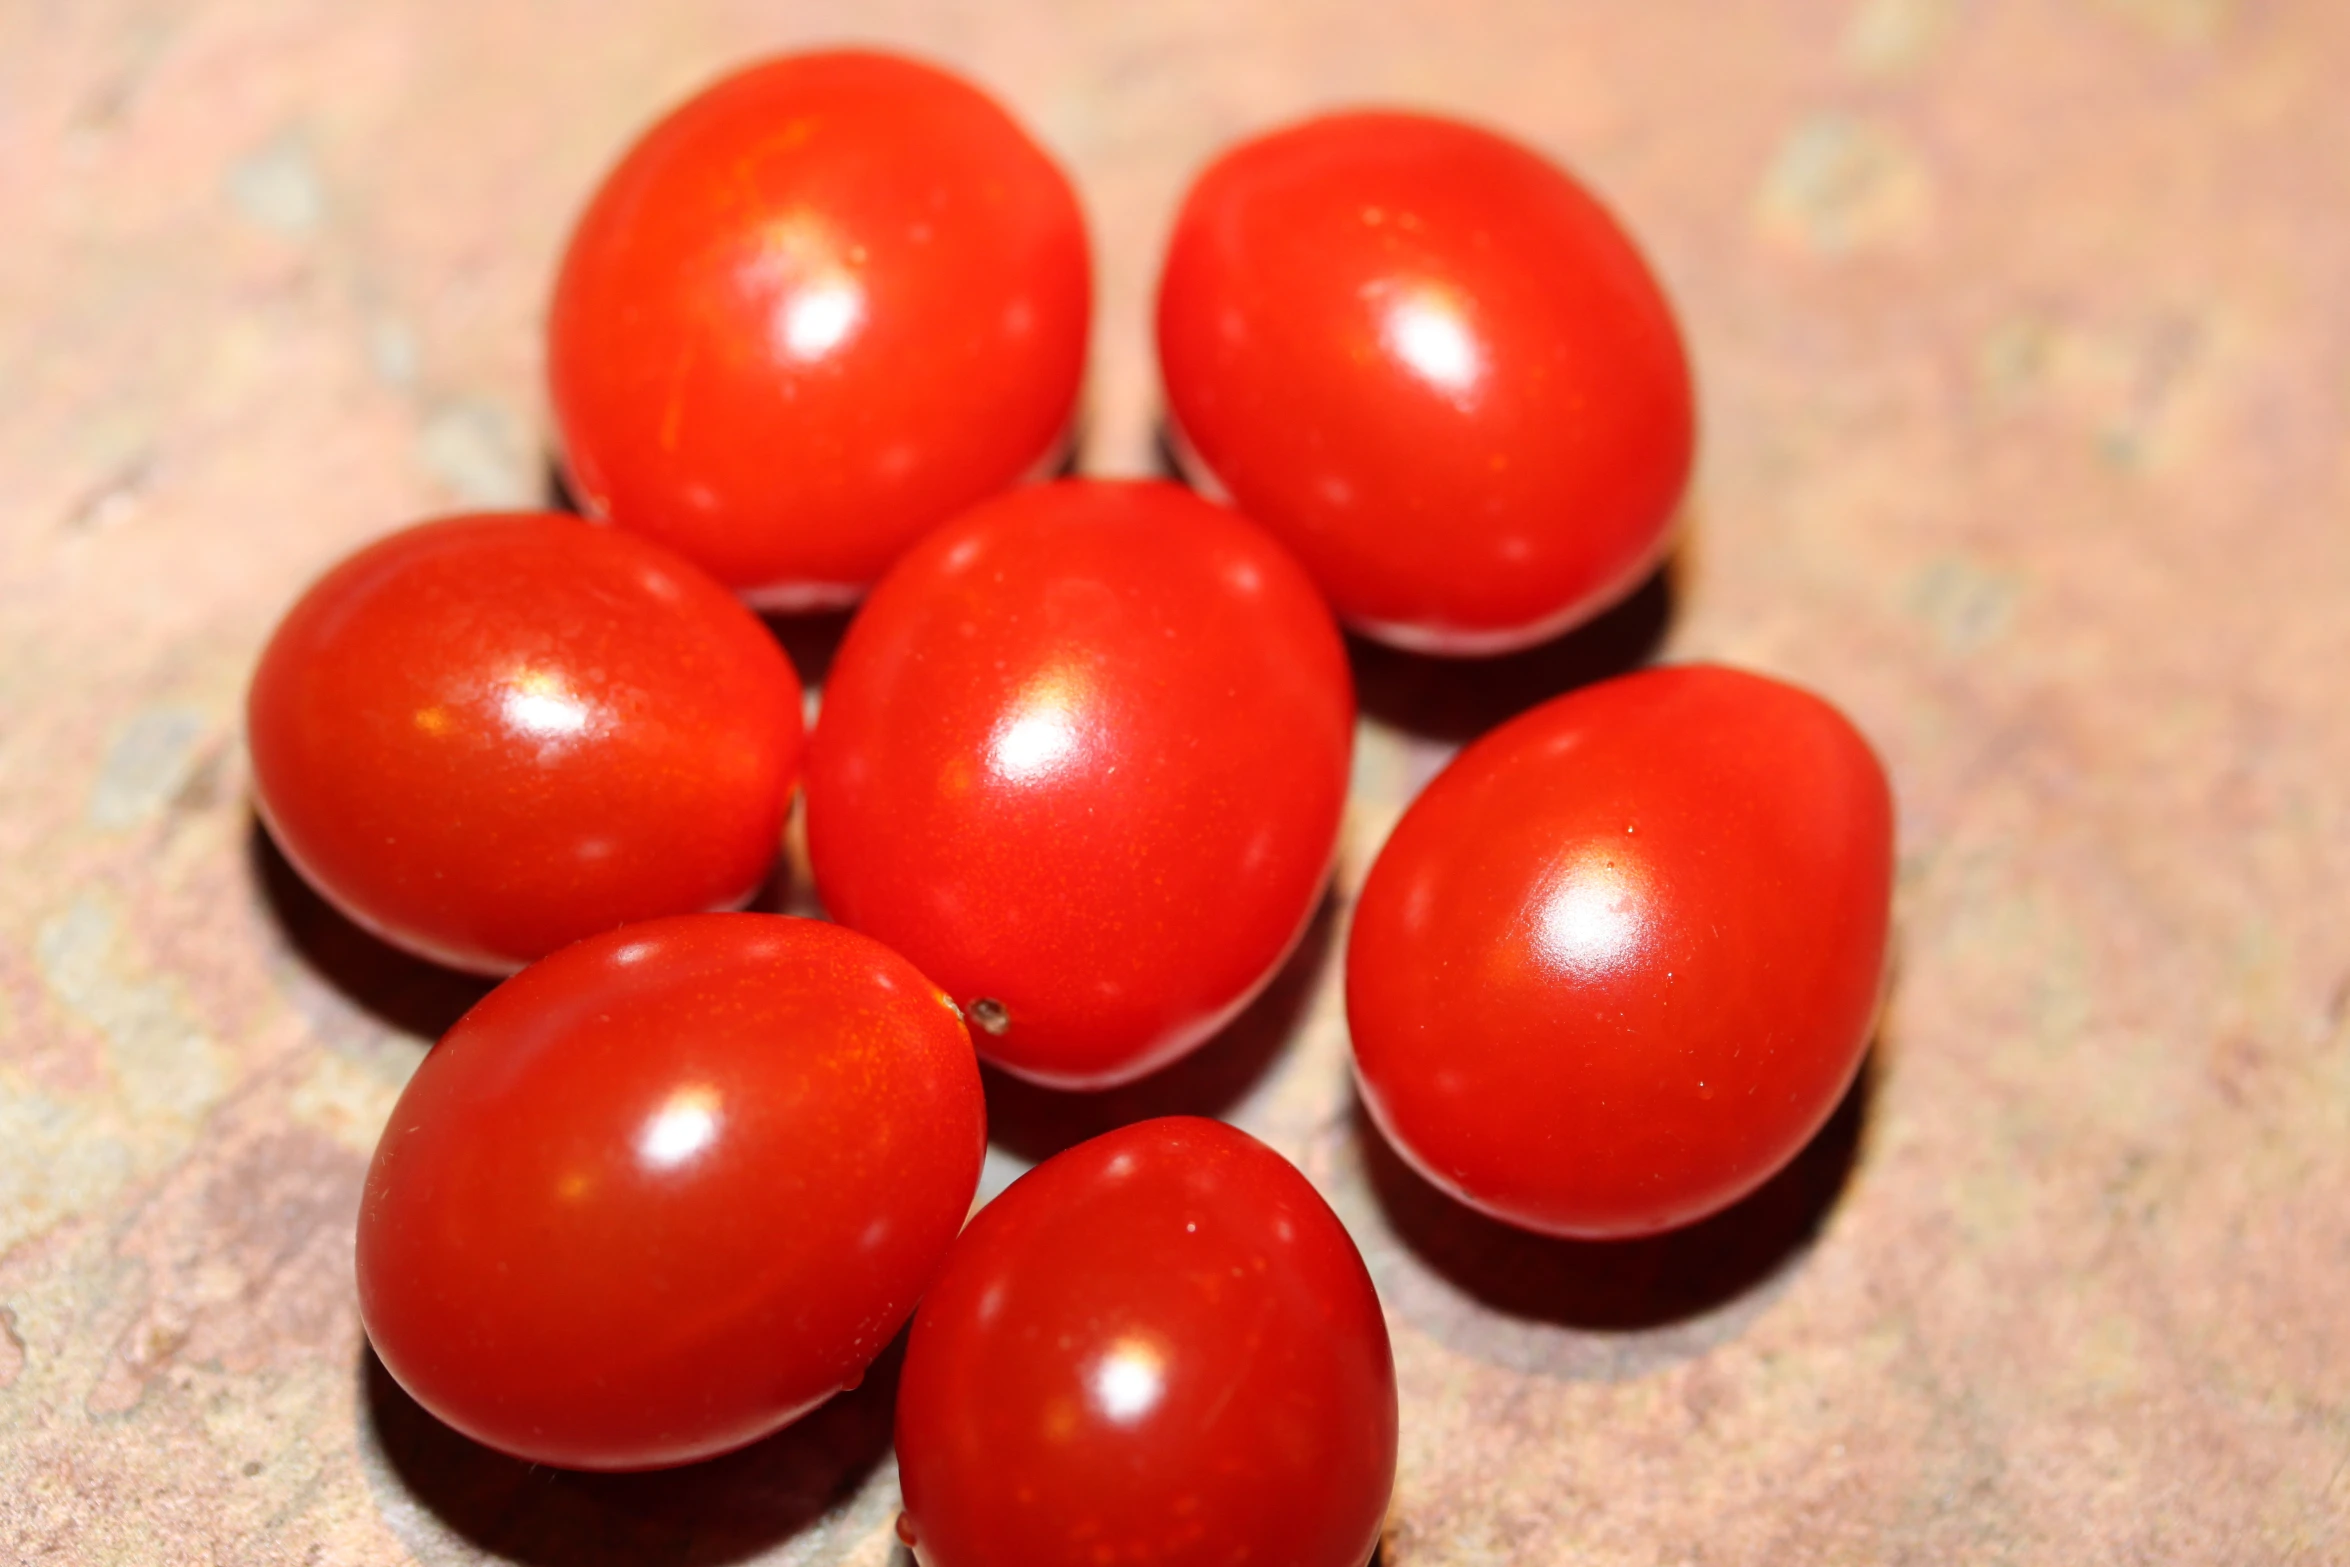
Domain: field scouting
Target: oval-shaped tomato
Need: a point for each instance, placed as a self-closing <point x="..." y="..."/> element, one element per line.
<point x="1082" y="758"/>
<point x="485" y="737"/>
<point x="1160" y="1346"/>
<point x="669" y="1189"/>
<point x="819" y="309"/>
<point x="1619" y="961"/>
<point x="1436" y="367"/>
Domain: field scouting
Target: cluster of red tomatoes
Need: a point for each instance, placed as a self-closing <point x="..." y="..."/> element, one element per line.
<point x="1072" y="796"/>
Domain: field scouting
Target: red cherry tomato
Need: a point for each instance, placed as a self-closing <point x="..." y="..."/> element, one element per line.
<point x="818" y="310"/>
<point x="1082" y="758"/>
<point x="1159" y="1346"/>
<point x="1433" y="365"/>
<point x="669" y="1189"/>
<point x="1619" y="962"/>
<point x="485" y="737"/>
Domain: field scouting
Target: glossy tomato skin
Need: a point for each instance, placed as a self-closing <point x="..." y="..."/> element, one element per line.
<point x="669" y="1189"/>
<point x="487" y="736"/>
<point x="1082" y="757"/>
<point x="1619" y="962"/>
<point x="1436" y="367"/>
<point x="822" y="307"/>
<point x="1159" y="1346"/>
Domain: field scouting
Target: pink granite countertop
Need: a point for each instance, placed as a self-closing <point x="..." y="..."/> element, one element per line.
<point x="2024" y="335"/>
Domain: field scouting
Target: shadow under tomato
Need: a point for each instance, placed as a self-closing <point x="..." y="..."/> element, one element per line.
<point x="1034" y="1123"/>
<point x="1070" y="456"/>
<point x="1458" y="699"/>
<point x="725" y="1509"/>
<point x="1166" y="458"/>
<point x="784" y="892"/>
<point x="556" y="493"/>
<point x="811" y="638"/>
<point x="1632" y="1284"/>
<point x="396" y="988"/>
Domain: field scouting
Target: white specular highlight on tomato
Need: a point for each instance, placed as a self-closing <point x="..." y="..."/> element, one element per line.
<point x="686" y="1123"/>
<point x="1129" y="1381"/>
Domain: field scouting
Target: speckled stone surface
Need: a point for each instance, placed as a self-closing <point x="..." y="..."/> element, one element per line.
<point x="2025" y="353"/>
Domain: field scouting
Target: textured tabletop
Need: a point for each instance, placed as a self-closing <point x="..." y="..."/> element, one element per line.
<point x="2024" y="346"/>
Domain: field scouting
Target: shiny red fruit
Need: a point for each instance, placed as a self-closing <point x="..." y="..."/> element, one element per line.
<point x="1159" y="1346"/>
<point x="485" y="737"/>
<point x="1618" y="963"/>
<point x="669" y="1189"/>
<point x="1082" y="758"/>
<point x="1436" y="367"/>
<point x="819" y="309"/>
